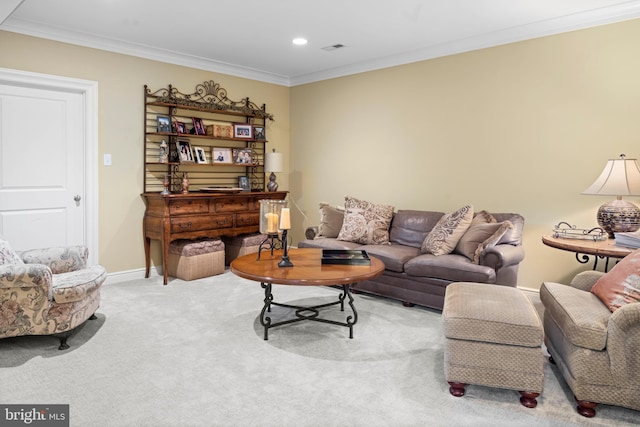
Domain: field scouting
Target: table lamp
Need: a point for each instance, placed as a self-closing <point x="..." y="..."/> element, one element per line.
<point x="273" y="164"/>
<point x="620" y="177"/>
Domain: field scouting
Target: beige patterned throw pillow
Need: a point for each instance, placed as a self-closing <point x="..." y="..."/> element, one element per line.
<point x="480" y="236"/>
<point x="444" y="236"/>
<point x="365" y="223"/>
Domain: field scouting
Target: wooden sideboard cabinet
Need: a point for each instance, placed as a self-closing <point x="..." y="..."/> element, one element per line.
<point x="197" y="215"/>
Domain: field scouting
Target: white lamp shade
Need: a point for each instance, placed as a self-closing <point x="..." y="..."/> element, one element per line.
<point x="273" y="162"/>
<point x="620" y="177"/>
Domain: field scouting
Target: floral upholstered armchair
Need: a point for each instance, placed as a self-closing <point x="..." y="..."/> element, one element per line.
<point x="47" y="291"/>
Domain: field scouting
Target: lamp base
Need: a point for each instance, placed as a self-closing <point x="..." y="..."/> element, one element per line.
<point x="619" y="216"/>
<point x="272" y="185"/>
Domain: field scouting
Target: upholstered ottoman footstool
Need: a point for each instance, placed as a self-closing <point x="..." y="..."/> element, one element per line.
<point x="195" y="259"/>
<point x="237" y="246"/>
<point x="493" y="338"/>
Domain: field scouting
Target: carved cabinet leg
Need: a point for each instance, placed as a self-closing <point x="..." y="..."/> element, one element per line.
<point x="456" y="389"/>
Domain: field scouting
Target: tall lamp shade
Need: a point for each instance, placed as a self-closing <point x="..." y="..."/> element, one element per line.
<point x="272" y="164"/>
<point x="620" y="177"/>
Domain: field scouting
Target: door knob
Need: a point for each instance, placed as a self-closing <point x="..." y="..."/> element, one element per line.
<point x="77" y="198"/>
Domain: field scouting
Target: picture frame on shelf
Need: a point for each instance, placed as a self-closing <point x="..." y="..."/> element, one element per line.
<point x="259" y="133"/>
<point x="200" y="155"/>
<point x="222" y="155"/>
<point x="243" y="182"/>
<point x="243" y="131"/>
<point x="198" y="126"/>
<point x="163" y="124"/>
<point x="181" y="127"/>
<point x="242" y="156"/>
<point x="185" y="155"/>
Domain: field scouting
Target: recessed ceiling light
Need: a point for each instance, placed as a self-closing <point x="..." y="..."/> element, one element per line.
<point x="299" y="41"/>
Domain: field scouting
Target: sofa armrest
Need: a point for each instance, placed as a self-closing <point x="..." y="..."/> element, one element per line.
<point x="26" y="276"/>
<point x="60" y="259"/>
<point x="586" y="279"/>
<point x="501" y="256"/>
<point x="311" y="232"/>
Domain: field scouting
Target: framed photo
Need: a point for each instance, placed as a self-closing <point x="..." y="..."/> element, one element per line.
<point x="259" y="133"/>
<point x="184" y="152"/>
<point x="242" y="156"/>
<point x="164" y="124"/>
<point x="198" y="126"/>
<point x="222" y="155"/>
<point x="243" y="131"/>
<point x="200" y="155"/>
<point x="181" y="127"/>
<point x="243" y="182"/>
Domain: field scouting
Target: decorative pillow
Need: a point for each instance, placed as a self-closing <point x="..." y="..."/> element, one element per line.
<point x="480" y="236"/>
<point x="365" y="223"/>
<point x="621" y="285"/>
<point x="483" y="217"/>
<point x="7" y="254"/>
<point x="331" y="219"/>
<point x="444" y="237"/>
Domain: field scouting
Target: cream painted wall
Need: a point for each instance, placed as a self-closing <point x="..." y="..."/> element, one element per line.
<point x="522" y="128"/>
<point x="121" y="79"/>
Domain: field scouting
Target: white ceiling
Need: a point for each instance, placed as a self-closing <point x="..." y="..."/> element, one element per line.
<point x="252" y="38"/>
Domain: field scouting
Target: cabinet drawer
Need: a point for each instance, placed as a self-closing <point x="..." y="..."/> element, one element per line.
<point x="197" y="223"/>
<point x="245" y="219"/>
<point x="230" y="204"/>
<point x="188" y="206"/>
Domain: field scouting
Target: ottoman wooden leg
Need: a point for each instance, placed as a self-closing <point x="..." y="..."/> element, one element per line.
<point x="456" y="389"/>
<point x="528" y="399"/>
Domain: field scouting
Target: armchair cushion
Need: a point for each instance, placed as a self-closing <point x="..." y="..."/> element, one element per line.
<point x="7" y="254"/>
<point x="77" y="285"/>
<point x="621" y="285"/>
<point x="60" y="259"/>
<point x="365" y="222"/>
<point x="581" y="315"/>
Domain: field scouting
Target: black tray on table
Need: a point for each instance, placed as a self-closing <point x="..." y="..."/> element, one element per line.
<point x="345" y="257"/>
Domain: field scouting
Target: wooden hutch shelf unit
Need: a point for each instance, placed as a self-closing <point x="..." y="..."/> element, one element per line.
<point x="198" y="195"/>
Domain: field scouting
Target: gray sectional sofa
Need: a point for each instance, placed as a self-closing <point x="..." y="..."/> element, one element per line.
<point x="414" y="277"/>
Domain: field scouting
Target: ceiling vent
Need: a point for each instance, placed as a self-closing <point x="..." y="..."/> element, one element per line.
<point x="333" y="47"/>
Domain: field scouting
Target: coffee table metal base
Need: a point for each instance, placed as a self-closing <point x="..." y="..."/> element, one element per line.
<point x="307" y="313"/>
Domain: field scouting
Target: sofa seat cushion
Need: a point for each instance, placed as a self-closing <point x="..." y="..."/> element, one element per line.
<point x="76" y="285"/>
<point x="328" y="243"/>
<point x="581" y="316"/>
<point x="453" y="267"/>
<point x="393" y="256"/>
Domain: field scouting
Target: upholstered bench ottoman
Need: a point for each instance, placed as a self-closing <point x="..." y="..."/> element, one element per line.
<point x="195" y="259"/>
<point x="493" y="338"/>
<point x="237" y="246"/>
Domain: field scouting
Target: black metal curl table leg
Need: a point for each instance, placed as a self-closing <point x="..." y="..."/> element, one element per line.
<point x="307" y="313"/>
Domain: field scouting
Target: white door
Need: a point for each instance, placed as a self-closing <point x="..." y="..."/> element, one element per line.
<point x="43" y="152"/>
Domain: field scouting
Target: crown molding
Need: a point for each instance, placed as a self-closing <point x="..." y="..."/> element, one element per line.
<point x="621" y="12"/>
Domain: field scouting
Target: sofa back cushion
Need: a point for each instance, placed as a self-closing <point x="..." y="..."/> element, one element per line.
<point x="7" y="254"/>
<point x="410" y="227"/>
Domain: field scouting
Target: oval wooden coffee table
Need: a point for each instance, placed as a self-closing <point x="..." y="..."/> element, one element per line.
<point x="307" y="270"/>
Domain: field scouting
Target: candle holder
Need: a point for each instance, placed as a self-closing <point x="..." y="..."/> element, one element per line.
<point x="285" y="262"/>
<point x="270" y="212"/>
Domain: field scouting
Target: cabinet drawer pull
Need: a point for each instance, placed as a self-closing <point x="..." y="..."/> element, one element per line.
<point x="187" y="225"/>
<point x="223" y="222"/>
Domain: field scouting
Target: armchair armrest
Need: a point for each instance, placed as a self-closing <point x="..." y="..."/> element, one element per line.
<point x="311" y="232"/>
<point x="60" y="259"/>
<point x="26" y="276"/>
<point x="586" y="279"/>
<point x="501" y="256"/>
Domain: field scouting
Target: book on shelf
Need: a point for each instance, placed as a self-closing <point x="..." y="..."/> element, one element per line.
<point x="628" y="240"/>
